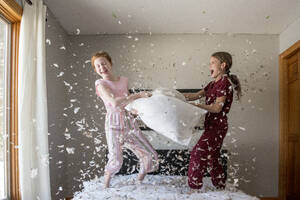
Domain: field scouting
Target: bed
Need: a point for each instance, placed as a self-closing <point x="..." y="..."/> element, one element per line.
<point x="169" y="182"/>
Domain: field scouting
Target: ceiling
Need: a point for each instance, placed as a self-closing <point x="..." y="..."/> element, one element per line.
<point x="174" y="16"/>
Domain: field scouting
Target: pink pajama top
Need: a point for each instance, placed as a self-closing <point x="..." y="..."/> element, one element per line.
<point x="115" y="116"/>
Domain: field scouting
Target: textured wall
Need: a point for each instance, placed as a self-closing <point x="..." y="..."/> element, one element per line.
<point x="56" y="62"/>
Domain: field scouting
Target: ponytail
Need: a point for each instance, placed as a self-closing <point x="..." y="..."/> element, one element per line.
<point x="236" y="85"/>
<point x="227" y="58"/>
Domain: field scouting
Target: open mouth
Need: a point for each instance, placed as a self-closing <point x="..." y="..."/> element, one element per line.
<point x="211" y="71"/>
<point x="104" y="71"/>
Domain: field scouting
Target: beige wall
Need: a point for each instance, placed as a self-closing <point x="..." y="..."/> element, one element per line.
<point x="174" y="61"/>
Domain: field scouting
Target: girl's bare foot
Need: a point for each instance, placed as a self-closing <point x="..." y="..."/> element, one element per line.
<point x="141" y="177"/>
<point x="193" y="191"/>
<point x="107" y="177"/>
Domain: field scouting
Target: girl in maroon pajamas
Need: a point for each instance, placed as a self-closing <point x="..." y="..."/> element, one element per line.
<point x="205" y="156"/>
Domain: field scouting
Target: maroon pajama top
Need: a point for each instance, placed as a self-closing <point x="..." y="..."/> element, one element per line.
<point x="205" y="156"/>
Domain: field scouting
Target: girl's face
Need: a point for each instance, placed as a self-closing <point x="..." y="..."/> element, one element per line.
<point x="217" y="69"/>
<point x="103" y="67"/>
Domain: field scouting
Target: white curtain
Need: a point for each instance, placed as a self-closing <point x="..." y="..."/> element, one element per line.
<point x="32" y="105"/>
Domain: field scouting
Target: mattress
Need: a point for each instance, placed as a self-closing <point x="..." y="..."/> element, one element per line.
<point x="156" y="187"/>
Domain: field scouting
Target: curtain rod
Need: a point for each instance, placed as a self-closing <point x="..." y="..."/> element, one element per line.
<point x="29" y="2"/>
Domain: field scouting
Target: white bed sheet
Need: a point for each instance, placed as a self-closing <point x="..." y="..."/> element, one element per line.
<point x="156" y="187"/>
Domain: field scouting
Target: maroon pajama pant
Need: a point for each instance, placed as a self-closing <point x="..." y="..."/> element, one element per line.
<point x="205" y="157"/>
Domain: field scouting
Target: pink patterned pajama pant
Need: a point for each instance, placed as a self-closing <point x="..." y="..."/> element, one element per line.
<point x="122" y="131"/>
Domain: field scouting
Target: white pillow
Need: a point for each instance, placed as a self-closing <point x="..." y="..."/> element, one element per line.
<point x="169" y="92"/>
<point x="168" y="116"/>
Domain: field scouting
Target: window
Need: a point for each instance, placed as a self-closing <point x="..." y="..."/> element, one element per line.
<point x="10" y="18"/>
<point x="4" y="134"/>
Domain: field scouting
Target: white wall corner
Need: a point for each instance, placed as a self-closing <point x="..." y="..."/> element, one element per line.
<point x="290" y="35"/>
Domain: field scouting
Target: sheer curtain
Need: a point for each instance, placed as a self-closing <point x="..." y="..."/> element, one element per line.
<point x="32" y="105"/>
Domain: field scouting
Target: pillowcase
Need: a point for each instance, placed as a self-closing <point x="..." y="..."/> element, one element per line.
<point x="169" y="92"/>
<point x="168" y="116"/>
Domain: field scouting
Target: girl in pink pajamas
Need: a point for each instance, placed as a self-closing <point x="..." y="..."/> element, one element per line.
<point x="218" y="94"/>
<point x="120" y="127"/>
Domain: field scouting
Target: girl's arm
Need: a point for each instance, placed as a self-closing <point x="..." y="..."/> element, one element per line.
<point x="214" y="107"/>
<point x="117" y="101"/>
<point x="194" y="96"/>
